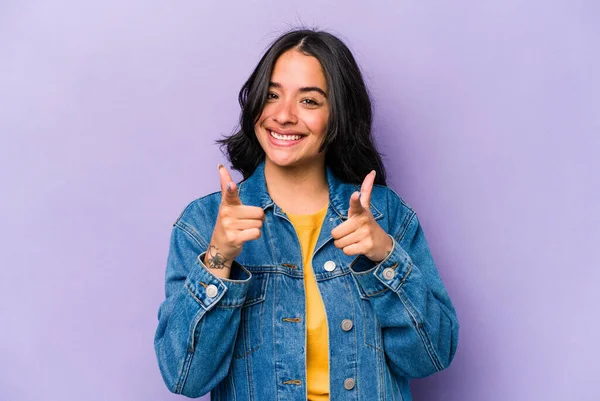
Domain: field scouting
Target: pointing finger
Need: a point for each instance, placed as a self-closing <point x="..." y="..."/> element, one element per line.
<point x="355" y="205"/>
<point x="366" y="189"/>
<point x="228" y="188"/>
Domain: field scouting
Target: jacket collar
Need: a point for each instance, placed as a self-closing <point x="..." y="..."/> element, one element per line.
<point x="253" y="192"/>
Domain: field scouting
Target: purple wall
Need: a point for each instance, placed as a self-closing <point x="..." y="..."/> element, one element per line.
<point x="488" y="114"/>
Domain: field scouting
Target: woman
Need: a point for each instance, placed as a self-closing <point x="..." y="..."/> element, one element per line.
<point x="311" y="279"/>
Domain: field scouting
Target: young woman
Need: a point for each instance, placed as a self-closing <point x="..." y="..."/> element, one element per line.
<point x="311" y="279"/>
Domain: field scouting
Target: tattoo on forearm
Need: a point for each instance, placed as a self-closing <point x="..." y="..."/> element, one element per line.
<point x="216" y="260"/>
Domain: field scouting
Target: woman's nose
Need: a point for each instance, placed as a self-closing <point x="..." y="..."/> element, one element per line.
<point x="285" y="113"/>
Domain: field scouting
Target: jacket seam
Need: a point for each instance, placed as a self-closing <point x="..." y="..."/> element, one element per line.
<point x="193" y="295"/>
<point x="192" y="342"/>
<point x="412" y="310"/>
<point x="404" y="226"/>
<point x="189" y="205"/>
<point x="274" y="341"/>
<point x="183" y="375"/>
<point x="364" y="317"/>
<point x="418" y="327"/>
<point x="192" y="233"/>
<point x="233" y="387"/>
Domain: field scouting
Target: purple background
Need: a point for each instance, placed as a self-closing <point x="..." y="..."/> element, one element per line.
<point x="488" y="113"/>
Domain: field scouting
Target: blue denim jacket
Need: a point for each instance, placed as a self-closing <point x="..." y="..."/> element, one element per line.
<point x="244" y="338"/>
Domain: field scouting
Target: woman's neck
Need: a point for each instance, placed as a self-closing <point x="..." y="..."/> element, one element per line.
<point x="298" y="190"/>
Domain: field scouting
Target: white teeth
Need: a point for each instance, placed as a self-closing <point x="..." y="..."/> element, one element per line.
<point x="285" y="137"/>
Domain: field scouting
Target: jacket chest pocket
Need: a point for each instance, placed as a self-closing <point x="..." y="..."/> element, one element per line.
<point x="249" y="336"/>
<point x="372" y="328"/>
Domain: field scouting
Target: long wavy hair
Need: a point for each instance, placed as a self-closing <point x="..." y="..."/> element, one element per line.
<point x="348" y="143"/>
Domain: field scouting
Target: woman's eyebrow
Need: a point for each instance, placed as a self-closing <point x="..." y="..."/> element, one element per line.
<point x="303" y="89"/>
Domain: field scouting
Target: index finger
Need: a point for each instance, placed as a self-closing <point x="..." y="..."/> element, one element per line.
<point x="229" y="194"/>
<point x="366" y="189"/>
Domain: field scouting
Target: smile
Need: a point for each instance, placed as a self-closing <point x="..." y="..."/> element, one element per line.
<point x="285" y="137"/>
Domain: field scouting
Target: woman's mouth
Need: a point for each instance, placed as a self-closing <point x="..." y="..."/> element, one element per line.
<point x="280" y="139"/>
<point x="285" y="137"/>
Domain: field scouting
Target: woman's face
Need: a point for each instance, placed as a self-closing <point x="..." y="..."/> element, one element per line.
<point x="292" y="125"/>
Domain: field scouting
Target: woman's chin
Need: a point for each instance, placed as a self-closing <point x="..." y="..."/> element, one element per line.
<point x="283" y="159"/>
<point x="282" y="162"/>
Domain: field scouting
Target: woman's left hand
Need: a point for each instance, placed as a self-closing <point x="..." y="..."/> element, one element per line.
<point x="361" y="234"/>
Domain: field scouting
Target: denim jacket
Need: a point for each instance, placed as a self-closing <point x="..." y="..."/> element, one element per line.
<point x="244" y="338"/>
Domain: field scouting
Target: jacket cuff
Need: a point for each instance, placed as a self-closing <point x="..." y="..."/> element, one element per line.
<point x="390" y="273"/>
<point x="208" y="289"/>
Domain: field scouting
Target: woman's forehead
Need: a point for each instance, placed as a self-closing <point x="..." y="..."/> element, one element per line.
<point x="294" y="70"/>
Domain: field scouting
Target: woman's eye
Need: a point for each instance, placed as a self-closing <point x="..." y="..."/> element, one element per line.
<point x="310" y="102"/>
<point x="271" y="95"/>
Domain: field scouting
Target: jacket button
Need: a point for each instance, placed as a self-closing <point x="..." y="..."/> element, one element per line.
<point x="211" y="291"/>
<point x="329" y="265"/>
<point x="389" y="273"/>
<point x="347" y="324"/>
<point x="349" y="383"/>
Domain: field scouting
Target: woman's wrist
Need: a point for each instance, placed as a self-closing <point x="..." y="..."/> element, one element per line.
<point x="216" y="262"/>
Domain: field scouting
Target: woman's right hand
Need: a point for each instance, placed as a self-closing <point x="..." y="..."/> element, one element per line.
<point x="236" y="224"/>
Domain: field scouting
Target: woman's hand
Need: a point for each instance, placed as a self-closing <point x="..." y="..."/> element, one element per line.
<point x="236" y="224"/>
<point x="361" y="234"/>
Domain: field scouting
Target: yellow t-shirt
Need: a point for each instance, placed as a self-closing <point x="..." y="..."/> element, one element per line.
<point x="308" y="227"/>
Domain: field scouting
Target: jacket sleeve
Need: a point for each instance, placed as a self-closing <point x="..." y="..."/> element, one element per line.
<point x="418" y="322"/>
<point x="198" y="320"/>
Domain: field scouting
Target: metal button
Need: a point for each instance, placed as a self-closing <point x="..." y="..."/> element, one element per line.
<point x="212" y="291"/>
<point x="347" y="324"/>
<point x="329" y="265"/>
<point x="349" y="383"/>
<point x="389" y="273"/>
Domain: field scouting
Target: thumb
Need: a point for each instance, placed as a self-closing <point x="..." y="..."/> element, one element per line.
<point x="229" y="191"/>
<point x="355" y="206"/>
